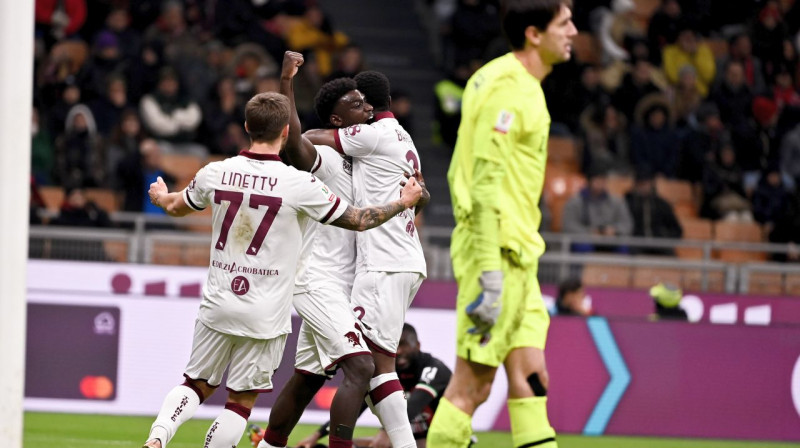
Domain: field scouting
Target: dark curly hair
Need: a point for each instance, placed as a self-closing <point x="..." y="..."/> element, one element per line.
<point x="329" y="94"/>
<point x="375" y="87"/>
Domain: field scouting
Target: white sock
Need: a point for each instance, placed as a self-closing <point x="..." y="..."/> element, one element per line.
<point x="263" y="444"/>
<point x="179" y="405"/>
<point x="227" y="429"/>
<point x="388" y="403"/>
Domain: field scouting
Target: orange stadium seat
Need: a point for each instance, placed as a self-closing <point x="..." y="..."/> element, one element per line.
<point x="694" y="229"/>
<point x="53" y="197"/>
<point x="693" y="281"/>
<point x="768" y="283"/>
<point x="674" y="191"/>
<point x="606" y="275"/>
<point x="563" y="151"/>
<point x="181" y="167"/>
<point x="645" y="277"/>
<point x="558" y="188"/>
<point x="104" y="198"/>
<point x="738" y="232"/>
<point x="116" y="250"/>
<point x="792" y="286"/>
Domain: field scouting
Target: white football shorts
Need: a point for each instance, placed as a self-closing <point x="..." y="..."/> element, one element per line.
<point x="328" y="333"/>
<point x="252" y="361"/>
<point x="380" y="301"/>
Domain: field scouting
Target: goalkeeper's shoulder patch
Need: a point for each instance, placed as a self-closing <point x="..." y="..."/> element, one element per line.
<point x="504" y="121"/>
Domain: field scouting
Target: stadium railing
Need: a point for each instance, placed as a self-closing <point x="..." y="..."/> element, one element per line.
<point x="141" y="238"/>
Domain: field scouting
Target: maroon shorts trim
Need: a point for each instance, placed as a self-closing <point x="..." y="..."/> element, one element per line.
<point x="342" y="358"/>
<point x="375" y="348"/>
<point x="258" y="391"/>
<point x="307" y="373"/>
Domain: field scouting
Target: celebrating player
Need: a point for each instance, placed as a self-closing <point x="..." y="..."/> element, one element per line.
<point x="496" y="178"/>
<point x="423" y="378"/>
<point x="260" y="209"/>
<point x="390" y="264"/>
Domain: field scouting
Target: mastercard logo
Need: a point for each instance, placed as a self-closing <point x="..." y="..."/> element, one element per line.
<point x="97" y="387"/>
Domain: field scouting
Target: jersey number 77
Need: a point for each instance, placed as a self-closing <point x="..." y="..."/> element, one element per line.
<point x="235" y="199"/>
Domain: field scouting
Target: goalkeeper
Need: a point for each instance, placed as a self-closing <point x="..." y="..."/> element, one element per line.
<point x="496" y="177"/>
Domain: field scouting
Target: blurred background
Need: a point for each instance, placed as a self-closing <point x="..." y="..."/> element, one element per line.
<point x="674" y="160"/>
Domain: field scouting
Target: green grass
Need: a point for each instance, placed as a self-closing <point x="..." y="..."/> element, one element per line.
<point x="44" y="430"/>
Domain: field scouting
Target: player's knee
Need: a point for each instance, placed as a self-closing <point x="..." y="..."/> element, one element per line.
<point x="539" y="382"/>
<point x="358" y="369"/>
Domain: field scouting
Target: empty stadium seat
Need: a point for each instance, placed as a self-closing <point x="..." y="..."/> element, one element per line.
<point x="116" y="250"/>
<point x="104" y="198"/>
<point x="606" y="275"/>
<point x="674" y="191"/>
<point x="181" y="167"/>
<point x="693" y="281"/>
<point x="738" y="232"/>
<point x="645" y="277"/>
<point x="769" y="283"/>
<point x="53" y="197"/>
<point x="563" y="151"/>
<point x="558" y="188"/>
<point x="694" y="229"/>
<point x="792" y="284"/>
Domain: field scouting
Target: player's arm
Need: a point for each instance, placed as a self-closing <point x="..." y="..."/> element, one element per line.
<point x="431" y="385"/>
<point x="426" y="195"/>
<point x="172" y="203"/>
<point x="360" y="219"/>
<point x="325" y="137"/>
<point x="494" y="138"/>
<point x="301" y="152"/>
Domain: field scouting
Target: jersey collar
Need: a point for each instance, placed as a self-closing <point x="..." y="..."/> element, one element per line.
<point x="257" y="156"/>
<point x="382" y="115"/>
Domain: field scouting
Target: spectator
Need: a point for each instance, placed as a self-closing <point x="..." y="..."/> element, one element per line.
<point x="571" y="299"/>
<point x="57" y="19"/>
<point x="770" y="199"/>
<point x="654" y="142"/>
<point x="768" y="34"/>
<point x="702" y="143"/>
<point x="605" y="139"/>
<point x="250" y="63"/>
<point x="663" y="28"/>
<point x="118" y="22"/>
<point x="136" y="172"/>
<point x="108" y="108"/>
<point x="723" y="189"/>
<point x="79" y="155"/>
<point x="685" y="97"/>
<point x="636" y="84"/>
<point x="653" y="217"/>
<point x="785" y="230"/>
<point x="105" y="62"/>
<point x="171" y="117"/>
<point x="448" y="102"/>
<point x="473" y="26"/>
<point x="70" y="96"/>
<point x="734" y="99"/>
<point x="349" y="62"/>
<point x="42" y="154"/>
<point x="784" y="90"/>
<point x="688" y="50"/>
<point x="313" y="32"/>
<point x="78" y="211"/>
<point x="667" y="298"/>
<point x="144" y="70"/>
<point x="222" y="111"/>
<point x="790" y="157"/>
<point x="403" y="108"/>
<point x="741" y="50"/>
<point x="182" y="48"/>
<point x="124" y="141"/>
<point x="594" y="211"/>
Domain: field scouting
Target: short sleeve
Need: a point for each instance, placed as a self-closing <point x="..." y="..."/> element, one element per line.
<point x="327" y="163"/>
<point x="197" y="193"/>
<point x="359" y="140"/>
<point x="318" y="201"/>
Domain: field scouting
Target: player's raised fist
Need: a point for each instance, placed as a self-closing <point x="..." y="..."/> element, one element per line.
<point x="157" y="188"/>
<point x="292" y="61"/>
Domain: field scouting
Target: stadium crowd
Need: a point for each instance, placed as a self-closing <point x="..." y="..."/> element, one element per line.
<point x="703" y="93"/>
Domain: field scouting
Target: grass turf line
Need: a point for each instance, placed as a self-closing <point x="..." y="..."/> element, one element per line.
<point x="46" y="430"/>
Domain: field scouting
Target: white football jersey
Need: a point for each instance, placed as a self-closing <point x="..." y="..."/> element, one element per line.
<point x="328" y="256"/>
<point x="382" y="152"/>
<point x="261" y="208"/>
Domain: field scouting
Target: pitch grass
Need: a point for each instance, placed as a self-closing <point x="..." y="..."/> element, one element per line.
<point x="44" y="430"/>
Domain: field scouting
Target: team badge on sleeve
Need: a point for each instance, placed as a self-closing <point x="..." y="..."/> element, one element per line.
<point x="504" y="121"/>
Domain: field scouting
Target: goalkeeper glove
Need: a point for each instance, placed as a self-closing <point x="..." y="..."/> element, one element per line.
<point x="484" y="311"/>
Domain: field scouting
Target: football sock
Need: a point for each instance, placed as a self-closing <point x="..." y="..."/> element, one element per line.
<point x="389" y="403"/>
<point x="227" y="429"/>
<point x="272" y="439"/>
<point x="336" y="442"/>
<point x="451" y="427"/>
<point x="179" y="405"/>
<point x="529" y="423"/>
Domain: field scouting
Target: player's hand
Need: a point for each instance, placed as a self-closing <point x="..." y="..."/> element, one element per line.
<point x="309" y="442"/>
<point x="484" y="311"/>
<point x="157" y="188"/>
<point x="411" y="192"/>
<point x="381" y="440"/>
<point x="291" y="63"/>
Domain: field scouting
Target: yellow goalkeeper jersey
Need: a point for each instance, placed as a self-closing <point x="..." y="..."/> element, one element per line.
<point x="497" y="171"/>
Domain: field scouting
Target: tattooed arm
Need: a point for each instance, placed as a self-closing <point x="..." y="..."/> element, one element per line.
<point x="360" y="219"/>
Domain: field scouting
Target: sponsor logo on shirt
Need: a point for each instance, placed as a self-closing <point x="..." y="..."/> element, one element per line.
<point x="353" y="130"/>
<point x="233" y="267"/>
<point x="504" y="120"/>
<point x="240" y="285"/>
